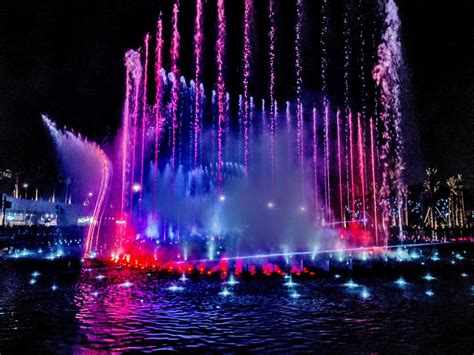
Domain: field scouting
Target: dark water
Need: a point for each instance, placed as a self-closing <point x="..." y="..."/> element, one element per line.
<point x="70" y="309"/>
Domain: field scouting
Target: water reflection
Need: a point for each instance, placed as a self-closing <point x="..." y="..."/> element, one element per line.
<point x="69" y="309"/>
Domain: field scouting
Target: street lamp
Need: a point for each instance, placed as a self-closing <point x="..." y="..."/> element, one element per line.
<point x="25" y="186"/>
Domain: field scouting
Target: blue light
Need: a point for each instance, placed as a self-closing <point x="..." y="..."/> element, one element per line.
<point x="225" y="292"/>
<point x="54" y="287"/>
<point x="290" y="283"/>
<point x="175" y="288"/>
<point x="295" y="294"/>
<point x="100" y="277"/>
<point x="401" y="282"/>
<point x="126" y="284"/>
<point x="365" y="293"/>
<point x="464" y="274"/>
<point x="350" y="284"/>
<point x="429" y="293"/>
<point x="428" y="277"/>
<point x="459" y="256"/>
<point x="232" y="281"/>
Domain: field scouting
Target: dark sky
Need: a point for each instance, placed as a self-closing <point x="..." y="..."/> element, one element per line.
<point x="65" y="58"/>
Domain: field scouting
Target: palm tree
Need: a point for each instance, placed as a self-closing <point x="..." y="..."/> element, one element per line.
<point x="461" y="200"/>
<point x="452" y="185"/>
<point x="456" y="201"/>
<point x="431" y="185"/>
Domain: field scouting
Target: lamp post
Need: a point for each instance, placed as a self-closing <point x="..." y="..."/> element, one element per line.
<point x="25" y="186"/>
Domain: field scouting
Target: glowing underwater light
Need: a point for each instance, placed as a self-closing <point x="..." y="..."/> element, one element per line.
<point x="232" y="281"/>
<point x="290" y="282"/>
<point x="183" y="278"/>
<point x="464" y="274"/>
<point x="32" y="281"/>
<point x="54" y="287"/>
<point x="459" y="256"/>
<point x="295" y="294"/>
<point x="100" y="277"/>
<point x="429" y="277"/>
<point x="337" y="276"/>
<point x="175" y="288"/>
<point x="401" y="282"/>
<point x="365" y="293"/>
<point x="35" y="274"/>
<point x="126" y="284"/>
<point x="429" y="293"/>
<point x="225" y="292"/>
<point x="350" y="284"/>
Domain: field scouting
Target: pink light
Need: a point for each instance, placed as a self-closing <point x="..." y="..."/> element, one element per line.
<point x="273" y="106"/>
<point x="175" y="91"/>
<point x="198" y="37"/>
<point x="134" y="72"/>
<point x="327" y="171"/>
<point x="220" y="44"/>
<point x="299" y="88"/>
<point x="144" y="97"/>
<point x="374" y="190"/>
<point x="315" y="164"/>
<point x="361" y="165"/>
<point x="125" y="120"/>
<point x="351" y="157"/>
<point x="158" y="83"/>
<point x="246" y="75"/>
<point x="339" y="165"/>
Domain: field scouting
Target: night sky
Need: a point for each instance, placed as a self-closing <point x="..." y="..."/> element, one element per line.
<point x="65" y="58"/>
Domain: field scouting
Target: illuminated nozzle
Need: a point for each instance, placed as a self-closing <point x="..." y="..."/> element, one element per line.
<point x="136" y="187"/>
<point x="225" y="292"/>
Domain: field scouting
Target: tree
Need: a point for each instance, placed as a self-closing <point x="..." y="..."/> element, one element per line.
<point x="456" y="201"/>
<point x="431" y="186"/>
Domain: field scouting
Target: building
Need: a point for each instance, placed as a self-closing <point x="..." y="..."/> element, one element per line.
<point x="18" y="211"/>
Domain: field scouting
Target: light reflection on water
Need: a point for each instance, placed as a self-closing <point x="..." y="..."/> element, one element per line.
<point x="120" y="310"/>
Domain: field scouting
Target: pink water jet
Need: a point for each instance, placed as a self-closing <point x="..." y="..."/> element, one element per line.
<point x="248" y="13"/>
<point x="144" y="120"/>
<point x="158" y="88"/>
<point x="271" y="86"/>
<point x="198" y="38"/>
<point x="174" y="53"/>
<point x="220" y="46"/>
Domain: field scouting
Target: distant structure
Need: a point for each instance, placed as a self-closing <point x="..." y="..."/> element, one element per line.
<point x="25" y="212"/>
